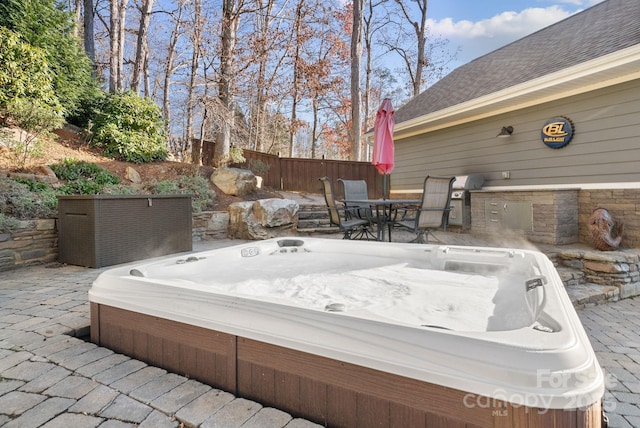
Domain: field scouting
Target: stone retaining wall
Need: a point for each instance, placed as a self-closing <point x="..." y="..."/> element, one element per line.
<point x="617" y="270"/>
<point x="36" y="241"/>
<point x="209" y="225"/>
<point x="32" y="242"/>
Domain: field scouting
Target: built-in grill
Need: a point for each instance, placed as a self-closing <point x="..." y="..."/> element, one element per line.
<point x="460" y="214"/>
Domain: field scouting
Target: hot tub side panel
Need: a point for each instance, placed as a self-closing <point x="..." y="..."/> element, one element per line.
<point x="201" y="354"/>
<point x="330" y="392"/>
<point x="339" y="394"/>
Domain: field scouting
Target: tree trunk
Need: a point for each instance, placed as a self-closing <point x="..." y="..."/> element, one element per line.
<point x="296" y="75"/>
<point x="356" y="91"/>
<point x="147" y="77"/>
<point x="77" y="11"/>
<point x="230" y="22"/>
<point x="122" y="27"/>
<point x="114" y="32"/>
<point x="141" y="45"/>
<point x="168" y="70"/>
<point x="196" y="150"/>
<point x="118" y="13"/>
<point x="264" y="18"/>
<point x="314" y="131"/>
<point x="421" y="29"/>
<point x="87" y="33"/>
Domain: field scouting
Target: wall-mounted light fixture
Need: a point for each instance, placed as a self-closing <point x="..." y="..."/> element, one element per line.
<point x="506" y="132"/>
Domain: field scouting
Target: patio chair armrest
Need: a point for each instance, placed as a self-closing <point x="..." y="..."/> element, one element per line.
<point x="436" y="209"/>
<point x="362" y="212"/>
<point x="406" y="212"/>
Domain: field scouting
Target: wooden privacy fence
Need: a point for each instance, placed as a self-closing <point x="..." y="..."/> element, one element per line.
<point x="301" y="175"/>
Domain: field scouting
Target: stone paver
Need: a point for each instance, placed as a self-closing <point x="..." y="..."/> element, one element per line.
<point x="48" y="378"/>
<point x="41" y="414"/>
<point x="53" y="380"/>
<point x="609" y="328"/>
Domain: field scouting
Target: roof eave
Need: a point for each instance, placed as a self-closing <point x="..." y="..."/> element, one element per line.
<point x="618" y="67"/>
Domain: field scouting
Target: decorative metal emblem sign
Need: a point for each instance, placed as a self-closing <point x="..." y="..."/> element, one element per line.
<point x="557" y="132"/>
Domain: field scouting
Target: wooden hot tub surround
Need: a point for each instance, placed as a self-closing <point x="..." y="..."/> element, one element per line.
<point x="329" y="392"/>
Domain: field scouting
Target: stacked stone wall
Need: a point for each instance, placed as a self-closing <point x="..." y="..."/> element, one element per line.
<point x="622" y="204"/>
<point x="31" y="242"/>
<point x="553" y="214"/>
<point x="619" y="269"/>
<point x="36" y="241"/>
<point x="208" y="225"/>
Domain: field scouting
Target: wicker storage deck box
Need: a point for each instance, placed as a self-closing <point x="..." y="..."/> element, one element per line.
<point x="104" y="230"/>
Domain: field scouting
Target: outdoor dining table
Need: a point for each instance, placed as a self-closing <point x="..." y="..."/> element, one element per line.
<point x="385" y="211"/>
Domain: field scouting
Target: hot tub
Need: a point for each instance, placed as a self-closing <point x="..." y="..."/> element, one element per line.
<point x="354" y="333"/>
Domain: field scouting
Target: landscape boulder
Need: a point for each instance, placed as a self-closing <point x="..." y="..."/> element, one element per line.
<point x="132" y="175"/>
<point x="263" y="219"/>
<point x="234" y="181"/>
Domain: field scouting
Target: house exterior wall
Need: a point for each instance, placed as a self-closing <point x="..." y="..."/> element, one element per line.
<point x="604" y="148"/>
<point x="601" y="163"/>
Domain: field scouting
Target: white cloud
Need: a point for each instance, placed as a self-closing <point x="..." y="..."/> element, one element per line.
<point x="481" y="37"/>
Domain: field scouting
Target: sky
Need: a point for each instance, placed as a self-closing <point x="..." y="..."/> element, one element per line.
<point x="477" y="27"/>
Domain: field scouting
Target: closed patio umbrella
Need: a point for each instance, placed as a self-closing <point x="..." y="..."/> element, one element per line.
<point x="383" y="150"/>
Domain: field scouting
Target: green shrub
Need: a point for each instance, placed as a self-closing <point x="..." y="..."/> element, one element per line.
<point x="71" y="169"/>
<point x="130" y="128"/>
<point x="83" y="178"/>
<point x="25" y="199"/>
<point x="81" y="186"/>
<point x="236" y="155"/>
<point x="198" y="187"/>
<point x="24" y="73"/>
<point x="45" y="24"/>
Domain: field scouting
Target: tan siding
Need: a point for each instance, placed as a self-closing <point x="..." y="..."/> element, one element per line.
<point x="605" y="147"/>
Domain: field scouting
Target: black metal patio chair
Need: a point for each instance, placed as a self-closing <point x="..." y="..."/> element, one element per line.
<point x="346" y="219"/>
<point x="355" y="190"/>
<point x="433" y="212"/>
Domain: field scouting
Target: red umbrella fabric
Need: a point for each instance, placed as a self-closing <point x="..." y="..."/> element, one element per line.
<point x="383" y="150"/>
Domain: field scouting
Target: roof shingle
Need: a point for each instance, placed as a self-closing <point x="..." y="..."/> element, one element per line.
<point x="600" y="30"/>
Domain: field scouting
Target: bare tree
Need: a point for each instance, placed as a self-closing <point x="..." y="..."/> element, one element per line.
<point x="372" y="24"/>
<point x="196" y="39"/>
<point x="114" y="32"/>
<point x="265" y="42"/>
<point x="326" y="70"/>
<point x="117" y="19"/>
<point x="356" y="90"/>
<point x="231" y="11"/>
<point x="141" y="45"/>
<point x="169" y="68"/>
<point x="88" y="30"/>
<point x="298" y="39"/>
<point x="279" y="68"/>
<point x="122" y="29"/>
<point x="420" y="30"/>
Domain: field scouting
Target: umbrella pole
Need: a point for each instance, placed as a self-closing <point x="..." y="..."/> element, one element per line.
<point x="384" y="186"/>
